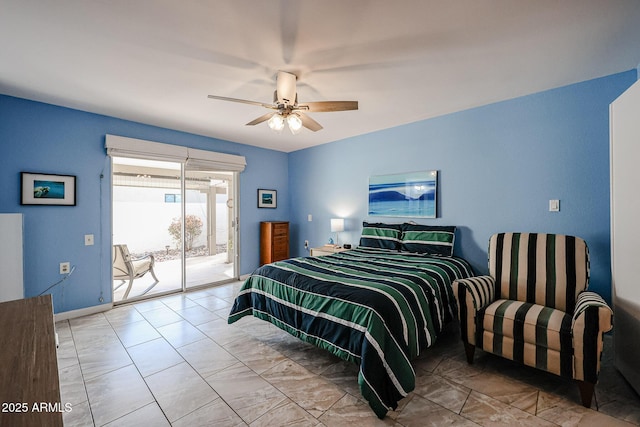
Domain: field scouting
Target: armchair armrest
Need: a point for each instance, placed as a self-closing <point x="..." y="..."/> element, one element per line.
<point x="592" y="317"/>
<point x="472" y="295"/>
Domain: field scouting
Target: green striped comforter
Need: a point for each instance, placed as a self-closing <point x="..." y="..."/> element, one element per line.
<point x="374" y="307"/>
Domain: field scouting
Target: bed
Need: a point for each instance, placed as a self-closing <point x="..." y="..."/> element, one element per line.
<point x="378" y="306"/>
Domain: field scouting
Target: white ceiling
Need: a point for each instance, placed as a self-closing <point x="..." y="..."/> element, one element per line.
<point x="155" y="61"/>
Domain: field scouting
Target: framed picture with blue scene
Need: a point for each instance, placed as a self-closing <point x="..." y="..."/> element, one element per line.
<point x="410" y="194"/>
<point x="267" y="198"/>
<point x="47" y="189"/>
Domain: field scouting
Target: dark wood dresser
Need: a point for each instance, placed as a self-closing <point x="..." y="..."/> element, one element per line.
<point x="29" y="385"/>
<point x="274" y="241"/>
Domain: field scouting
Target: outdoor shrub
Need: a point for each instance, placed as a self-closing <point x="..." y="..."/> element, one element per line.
<point x="193" y="228"/>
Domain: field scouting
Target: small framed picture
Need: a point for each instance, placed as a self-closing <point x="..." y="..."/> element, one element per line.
<point x="267" y="198"/>
<point x="43" y="189"/>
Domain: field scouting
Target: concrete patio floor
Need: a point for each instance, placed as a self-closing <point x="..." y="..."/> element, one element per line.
<point x="202" y="270"/>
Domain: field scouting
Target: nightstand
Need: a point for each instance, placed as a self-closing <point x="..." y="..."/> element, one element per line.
<point x="326" y="250"/>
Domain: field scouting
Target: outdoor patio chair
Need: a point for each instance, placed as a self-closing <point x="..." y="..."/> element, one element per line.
<point x="126" y="268"/>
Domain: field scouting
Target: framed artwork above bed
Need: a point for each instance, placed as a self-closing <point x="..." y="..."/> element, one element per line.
<point x="404" y="195"/>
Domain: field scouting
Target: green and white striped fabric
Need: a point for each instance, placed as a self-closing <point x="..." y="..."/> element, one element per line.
<point x="381" y="236"/>
<point x="374" y="307"/>
<point x="532" y="334"/>
<point x="591" y="318"/>
<point x="428" y="239"/>
<point x="472" y="295"/>
<point x="534" y="308"/>
<point x="545" y="269"/>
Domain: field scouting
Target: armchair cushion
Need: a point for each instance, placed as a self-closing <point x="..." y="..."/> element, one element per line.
<point x="545" y="269"/>
<point x="528" y="333"/>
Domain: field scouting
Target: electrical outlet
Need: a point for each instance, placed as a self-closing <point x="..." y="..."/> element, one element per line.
<point x="65" y="267"/>
<point x="306" y="244"/>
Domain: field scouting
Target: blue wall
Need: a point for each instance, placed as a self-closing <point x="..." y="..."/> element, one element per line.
<point x="37" y="137"/>
<point x="499" y="165"/>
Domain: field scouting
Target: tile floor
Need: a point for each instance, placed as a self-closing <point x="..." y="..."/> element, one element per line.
<point x="175" y="361"/>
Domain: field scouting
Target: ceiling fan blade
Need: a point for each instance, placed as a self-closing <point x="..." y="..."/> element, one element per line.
<point x="309" y="123"/>
<point x="327" y="106"/>
<point x="286" y="88"/>
<point x="261" y="119"/>
<point x="243" y="101"/>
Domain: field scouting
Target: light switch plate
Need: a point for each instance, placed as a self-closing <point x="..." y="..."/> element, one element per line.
<point x="554" y="205"/>
<point x="88" y="239"/>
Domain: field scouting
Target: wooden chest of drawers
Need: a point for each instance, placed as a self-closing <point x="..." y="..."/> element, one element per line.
<point x="274" y="241"/>
<point x="29" y="382"/>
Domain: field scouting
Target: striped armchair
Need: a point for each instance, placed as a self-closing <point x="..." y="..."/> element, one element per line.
<point x="534" y="307"/>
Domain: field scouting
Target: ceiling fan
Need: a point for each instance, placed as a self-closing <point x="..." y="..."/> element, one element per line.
<point x="287" y="109"/>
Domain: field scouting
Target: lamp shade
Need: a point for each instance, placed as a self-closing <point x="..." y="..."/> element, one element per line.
<point x="337" y="224"/>
<point x="294" y="122"/>
<point x="276" y="122"/>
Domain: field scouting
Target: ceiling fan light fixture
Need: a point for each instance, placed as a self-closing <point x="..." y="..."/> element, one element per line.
<point x="276" y="122"/>
<point x="288" y="111"/>
<point x="295" y="123"/>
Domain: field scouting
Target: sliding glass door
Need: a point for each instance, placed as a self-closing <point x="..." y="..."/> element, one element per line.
<point x="210" y="250"/>
<point x="174" y="227"/>
<point x="147" y="218"/>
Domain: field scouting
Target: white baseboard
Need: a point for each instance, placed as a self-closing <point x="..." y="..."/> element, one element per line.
<point x="82" y="312"/>
<point x="97" y="309"/>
